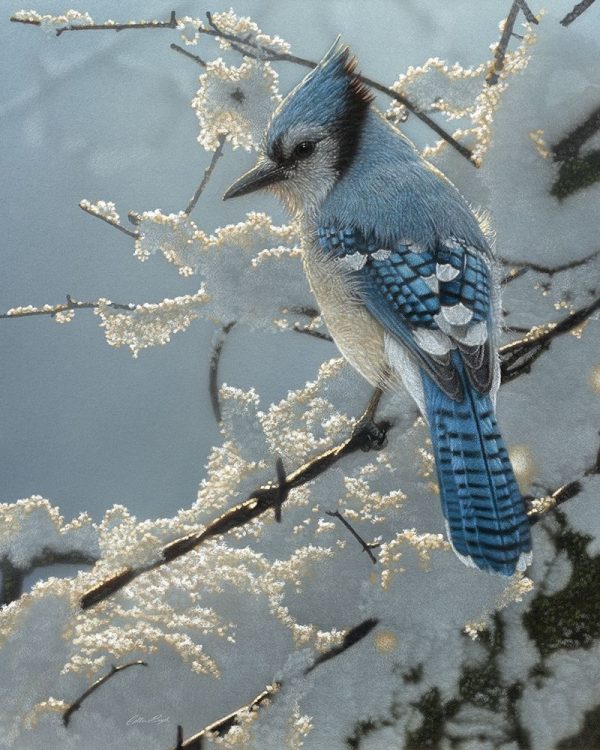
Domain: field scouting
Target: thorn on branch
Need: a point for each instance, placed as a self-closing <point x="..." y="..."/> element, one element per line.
<point x="576" y="12"/>
<point x="367" y="547"/>
<point x="76" y="705"/>
<point x="282" y="485"/>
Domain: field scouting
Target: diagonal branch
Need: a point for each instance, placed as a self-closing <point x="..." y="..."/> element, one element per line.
<point x="366" y="546"/>
<point x="89" y="209"/>
<point x="524" y="266"/>
<point x="185" y="53"/>
<point x="507" y="31"/>
<point x="367" y="435"/>
<point x="222" y="726"/>
<point x="76" y="705"/>
<point x="576" y="12"/>
<point x="217" y="154"/>
<point x="517" y="357"/>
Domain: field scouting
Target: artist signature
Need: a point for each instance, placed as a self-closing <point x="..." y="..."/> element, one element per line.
<point x="157" y="719"/>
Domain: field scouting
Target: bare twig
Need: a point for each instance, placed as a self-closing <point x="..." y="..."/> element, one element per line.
<point x="71" y="304"/>
<point x="222" y="726"/>
<point x="130" y="232"/>
<point x="312" y="332"/>
<point x="207" y="175"/>
<point x="252" y="49"/>
<point x="13" y="576"/>
<point x="517" y="357"/>
<point x="500" y="53"/>
<point x="367" y="547"/>
<point x="564" y="493"/>
<point x="524" y="266"/>
<point x="76" y="705"/>
<point x="183" y="51"/>
<point x="366" y="435"/>
<point x="526" y="10"/>
<point x="213" y="372"/>
<point x="352" y="637"/>
<point x="170" y="24"/>
<point x="576" y="12"/>
<point x="179" y="745"/>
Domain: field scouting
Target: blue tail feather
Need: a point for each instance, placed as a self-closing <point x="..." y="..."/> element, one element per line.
<point x="482" y="504"/>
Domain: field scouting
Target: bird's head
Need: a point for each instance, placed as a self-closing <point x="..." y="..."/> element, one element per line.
<point x="313" y="135"/>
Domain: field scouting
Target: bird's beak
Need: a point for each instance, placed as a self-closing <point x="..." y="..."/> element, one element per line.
<point x="263" y="174"/>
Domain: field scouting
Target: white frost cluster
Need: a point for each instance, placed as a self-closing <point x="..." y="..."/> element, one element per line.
<point x="461" y="94"/>
<point x="149" y="324"/>
<point x="235" y="102"/>
<point x="237" y="263"/>
<point x="32" y="526"/>
<point x="246" y="28"/>
<point x="51" y="23"/>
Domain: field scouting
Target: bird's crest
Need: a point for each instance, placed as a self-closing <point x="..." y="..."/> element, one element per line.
<point x="331" y="96"/>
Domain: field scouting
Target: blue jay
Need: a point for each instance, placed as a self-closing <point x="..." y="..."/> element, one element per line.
<point x="407" y="286"/>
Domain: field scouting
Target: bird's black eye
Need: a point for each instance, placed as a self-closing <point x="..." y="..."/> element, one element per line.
<point x="304" y="149"/>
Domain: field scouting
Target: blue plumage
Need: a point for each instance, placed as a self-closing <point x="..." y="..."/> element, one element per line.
<point x="481" y="501"/>
<point x="406" y="282"/>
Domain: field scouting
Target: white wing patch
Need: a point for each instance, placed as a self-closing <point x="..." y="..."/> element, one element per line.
<point x="446" y="272"/>
<point x="382" y="254"/>
<point x="355" y="261"/>
<point x="457" y="315"/>
<point x="433" y="342"/>
<point x="474" y="335"/>
<point x="433" y="283"/>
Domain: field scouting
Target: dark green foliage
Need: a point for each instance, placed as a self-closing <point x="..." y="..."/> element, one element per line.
<point x="569" y="618"/>
<point x="435" y="714"/>
<point x="576" y="174"/>
<point x="589" y="736"/>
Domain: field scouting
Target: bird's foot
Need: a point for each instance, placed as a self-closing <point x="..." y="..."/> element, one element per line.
<point x="370" y="435"/>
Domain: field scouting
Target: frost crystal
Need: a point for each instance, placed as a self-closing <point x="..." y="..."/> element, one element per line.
<point x="235" y="102"/>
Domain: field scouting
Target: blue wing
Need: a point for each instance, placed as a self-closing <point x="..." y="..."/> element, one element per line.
<point x="432" y="300"/>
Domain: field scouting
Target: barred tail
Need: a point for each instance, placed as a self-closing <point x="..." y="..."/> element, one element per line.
<point x="484" y="510"/>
